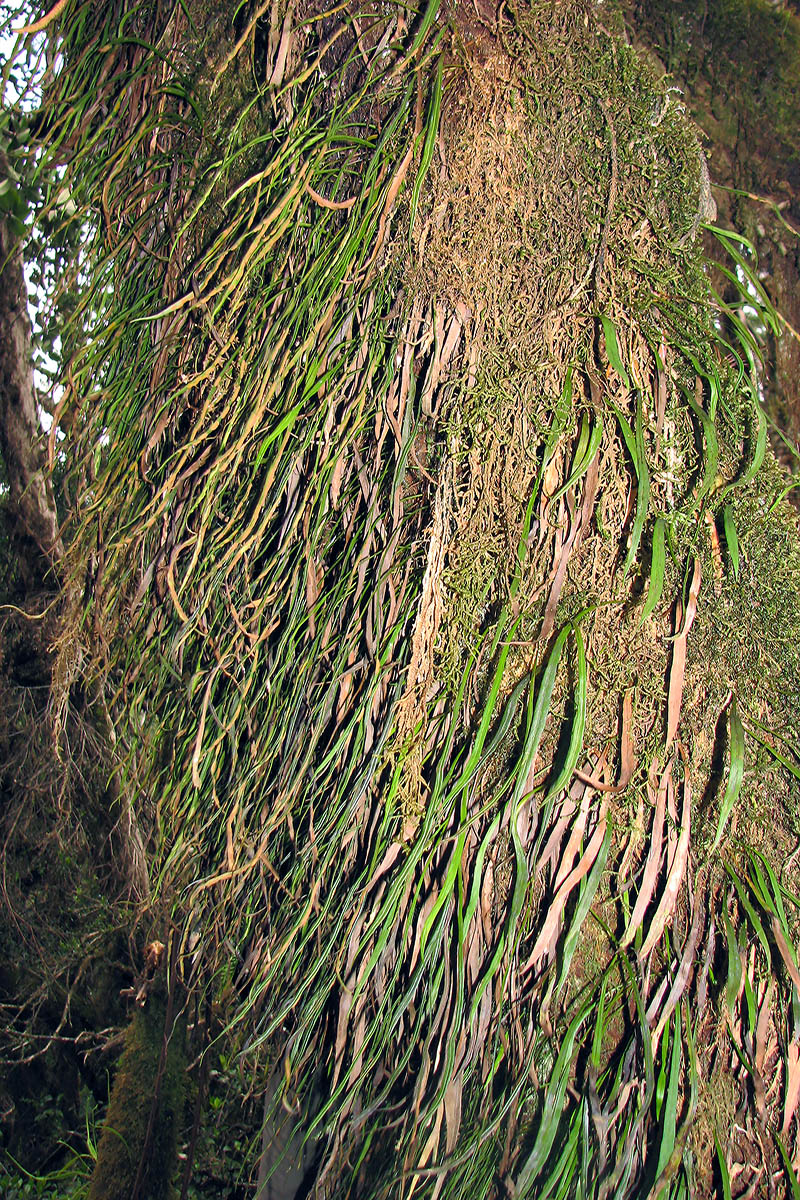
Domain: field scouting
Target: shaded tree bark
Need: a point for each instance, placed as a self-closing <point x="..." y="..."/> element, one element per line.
<point x="32" y="510"/>
<point x="737" y="63"/>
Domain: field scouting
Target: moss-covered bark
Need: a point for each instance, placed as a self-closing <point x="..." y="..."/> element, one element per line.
<point x="409" y="390"/>
<point x="137" y="1150"/>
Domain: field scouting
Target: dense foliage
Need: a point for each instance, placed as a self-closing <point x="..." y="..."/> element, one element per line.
<point x="431" y="598"/>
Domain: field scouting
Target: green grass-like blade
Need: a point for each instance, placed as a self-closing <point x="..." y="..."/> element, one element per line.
<point x="578" y="721"/>
<point x="658" y="562"/>
<point x="461" y="784"/>
<point x="431" y="131"/>
<point x="562" y="411"/>
<point x="731" y="538"/>
<point x="792" y="1179"/>
<point x="612" y="349"/>
<point x="785" y="762"/>
<point x="752" y="915"/>
<point x="541" y="707"/>
<point x="760" y="449"/>
<point x="642" y="490"/>
<point x="723" y="1170"/>
<point x="586" y="895"/>
<point x="735" y="770"/>
<point x="564" y="1170"/>
<point x="502" y="728"/>
<point x="774" y="888"/>
<point x="671" y="1100"/>
<point x="588" y="442"/>
<point x="552" y="1108"/>
<point x="711" y="446"/>
<point x="538" y="708"/>
<point x="634" y="441"/>
<point x="428" y="18"/>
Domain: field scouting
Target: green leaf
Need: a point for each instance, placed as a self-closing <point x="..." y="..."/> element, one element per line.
<point x="634" y="442"/>
<point x="578" y="721"/>
<point x="734" y="963"/>
<point x="776" y="754"/>
<point x="794" y="1183"/>
<point x="429" y="16"/>
<point x="735" y="770"/>
<point x="723" y="1170"/>
<point x="661" y="1080"/>
<point x="587" y="893"/>
<point x="732" y="538"/>
<point x="761" y="443"/>
<point x="588" y="443"/>
<point x="711" y="445"/>
<point x="431" y="130"/>
<point x="612" y="349"/>
<point x="671" y="1106"/>
<point x="564" y="1169"/>
<point x="642" y="491"/>
<point x="658" y="562"/>
<point x="562" y="411"/>
<point x="753" y="916"/>
<point x="11" y="200"/>
<point x="460" y="785"/>
<point x="539" y="702"/>
<point x="777" y="892"/>
<point x="552" y="1108"/>
<point x="538" y="708"/>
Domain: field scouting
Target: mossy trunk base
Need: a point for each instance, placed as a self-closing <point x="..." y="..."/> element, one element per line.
<point x="129" y="1136"/>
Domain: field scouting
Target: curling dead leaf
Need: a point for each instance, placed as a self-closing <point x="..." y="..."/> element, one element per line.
<point x="452" y="1104"/>
<point x="627" y="757"/>
<point x="559" y="901"/>
<point x="792" y="1086"/>
<point x="198" y="744"/>
<point x="691" y="602"/>
<point x="427" y="1150"/>
<point x="666" y="905"/>
<point x="686" y="964"/>
<point x="786" y="953"/>
<point x="548" y="621"/>
<point x="43" y="22"/>
<point x="566" y="811"/>
<point x="653" y="864"/>
<point x="574" y="841"/>
<point x="683" y="623"/>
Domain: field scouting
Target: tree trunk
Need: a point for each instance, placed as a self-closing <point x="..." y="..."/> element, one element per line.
<point x="137" y="1149"/>
<point x="31" y="512"/>
<point x="433" y="565"/>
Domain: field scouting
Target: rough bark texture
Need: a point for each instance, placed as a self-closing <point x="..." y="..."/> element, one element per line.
<point x="32" y="511"/>
<point x="136" y="1153"/>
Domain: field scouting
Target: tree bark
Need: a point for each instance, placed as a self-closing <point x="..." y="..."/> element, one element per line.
<point x="32" y="510"/>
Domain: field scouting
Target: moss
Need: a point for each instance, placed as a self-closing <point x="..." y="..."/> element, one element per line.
<point x="138" y="1085"/>
<point x="748" y="642"/>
